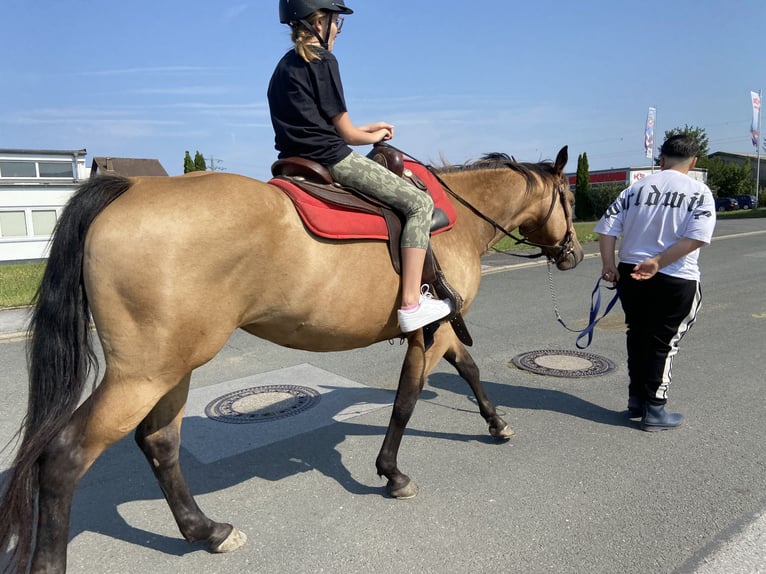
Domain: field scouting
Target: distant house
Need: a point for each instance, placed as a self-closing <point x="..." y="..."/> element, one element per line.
<point x="129" y="167"/>
<point x="36" y="184"/>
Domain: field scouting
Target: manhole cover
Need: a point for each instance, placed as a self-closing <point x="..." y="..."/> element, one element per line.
<point x="563" y="363"/>
<point x="262" y="404"/>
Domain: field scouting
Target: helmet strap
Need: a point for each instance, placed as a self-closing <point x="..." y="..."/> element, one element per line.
<point x="323" y="42"/>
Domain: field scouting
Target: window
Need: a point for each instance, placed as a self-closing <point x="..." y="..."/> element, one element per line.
<point x="13" y="224"/>
<point x="43" y="221"/>
<point x="10" y="168"/>
<point x="55" y="169"/>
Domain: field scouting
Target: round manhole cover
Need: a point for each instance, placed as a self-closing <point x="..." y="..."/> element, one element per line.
<point x="563" y="363"/>
<point x="262" y="404"/>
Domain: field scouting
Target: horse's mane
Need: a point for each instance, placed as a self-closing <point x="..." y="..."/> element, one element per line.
<point x="545" y="170"/>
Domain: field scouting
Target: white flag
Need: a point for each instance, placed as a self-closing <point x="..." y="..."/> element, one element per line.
<point x="755" y="131"/>
<point x="649" y="133"/>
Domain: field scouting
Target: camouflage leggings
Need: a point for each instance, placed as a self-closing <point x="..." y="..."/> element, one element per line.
<point x="375" y="180"/>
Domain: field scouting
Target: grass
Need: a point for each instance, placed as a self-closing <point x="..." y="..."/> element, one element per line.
<point x="19" y="281"/>
<point x="583" y="229"/>
<point x="743" y="213"/>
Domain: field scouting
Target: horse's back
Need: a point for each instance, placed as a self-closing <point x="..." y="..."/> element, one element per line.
<point x="223" y="251"/>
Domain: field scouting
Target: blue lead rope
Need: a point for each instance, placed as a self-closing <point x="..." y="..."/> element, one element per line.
<point x="593" y="319"/>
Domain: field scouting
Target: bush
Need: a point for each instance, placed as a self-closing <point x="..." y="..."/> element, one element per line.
<point x="601" y="197"/>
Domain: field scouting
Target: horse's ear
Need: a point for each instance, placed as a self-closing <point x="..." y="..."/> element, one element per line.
<point x="562" y="159"/>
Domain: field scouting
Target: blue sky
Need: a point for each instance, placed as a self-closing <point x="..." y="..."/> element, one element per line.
<point x="457" y="79"/>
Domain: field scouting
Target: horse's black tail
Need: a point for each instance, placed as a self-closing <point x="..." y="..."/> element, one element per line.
<point x="60" y="358"/>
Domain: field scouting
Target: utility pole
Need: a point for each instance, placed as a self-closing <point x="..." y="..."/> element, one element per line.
<point x="212" y="162"/>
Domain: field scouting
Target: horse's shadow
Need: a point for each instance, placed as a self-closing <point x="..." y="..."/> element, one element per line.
<point x="121" y="475"/>
<point x="530" y="398"/>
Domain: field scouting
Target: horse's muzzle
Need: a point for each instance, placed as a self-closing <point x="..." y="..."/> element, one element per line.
<point x="569" y="258"/>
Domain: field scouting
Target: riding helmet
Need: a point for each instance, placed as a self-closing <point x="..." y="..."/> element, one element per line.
<point x="296" y="10"/>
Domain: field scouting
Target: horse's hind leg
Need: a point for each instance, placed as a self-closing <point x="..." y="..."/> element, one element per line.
<point x="459" y="357"/>
<point x="103" y="419"/>
<point x="159" y="437"/>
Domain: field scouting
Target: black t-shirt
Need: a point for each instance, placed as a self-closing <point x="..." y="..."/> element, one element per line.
<point x="303" y="99"/>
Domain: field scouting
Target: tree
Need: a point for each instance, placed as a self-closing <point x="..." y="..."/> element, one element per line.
<point x="199" y="162"/>
<point x="724" y="178"/>
<point x="583" y="207"/>
<point x="729" y="179"/>
<point x="188" y="163"/>
<point x="698" y="134"/>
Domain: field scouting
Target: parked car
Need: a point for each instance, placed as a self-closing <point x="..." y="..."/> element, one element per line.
<point x="747" y="201"/>
<point x="726" y="204"/>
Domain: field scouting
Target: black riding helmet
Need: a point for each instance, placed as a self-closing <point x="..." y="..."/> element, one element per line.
<point x="298" y="10"/>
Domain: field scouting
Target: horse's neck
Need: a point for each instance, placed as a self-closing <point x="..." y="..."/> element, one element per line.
<point x="499" y="194"/>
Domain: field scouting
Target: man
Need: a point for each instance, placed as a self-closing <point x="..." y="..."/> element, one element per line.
<point x="664" y="219"/>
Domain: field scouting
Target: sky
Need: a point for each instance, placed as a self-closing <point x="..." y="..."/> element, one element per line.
<point x="457" y="79"/>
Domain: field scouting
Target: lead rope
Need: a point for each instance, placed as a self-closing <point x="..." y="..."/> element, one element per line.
<point x="595" y="307"/>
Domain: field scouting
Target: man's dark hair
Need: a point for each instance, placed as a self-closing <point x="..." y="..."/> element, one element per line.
<point x="680" y="146"/>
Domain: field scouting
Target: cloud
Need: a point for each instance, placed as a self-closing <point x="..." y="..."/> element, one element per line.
<point x="233" y="12"/>
<point x="152" y="70"/>
<point x="181" y="91"/>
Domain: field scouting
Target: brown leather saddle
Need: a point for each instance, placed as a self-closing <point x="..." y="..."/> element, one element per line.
<point x="316" y="180"/>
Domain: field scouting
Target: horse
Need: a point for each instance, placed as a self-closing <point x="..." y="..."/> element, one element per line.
<point x="166" y="268"/>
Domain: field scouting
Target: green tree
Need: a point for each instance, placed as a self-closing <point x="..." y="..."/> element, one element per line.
<point x="199" y="162"/>
<point x="602" y="197"/>
<point x="729" y="179"/>
<point x="583" y="207"/>
<point x="188" y="163"/>
<point x="724" y="178"/>
<point x="699" y="135"/>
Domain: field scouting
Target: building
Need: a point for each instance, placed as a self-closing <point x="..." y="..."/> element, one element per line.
<point x="627" y="176"/>
<point x="34" y="187"/>
<point x="127" y="166"/>
<point x="36" y="184"/>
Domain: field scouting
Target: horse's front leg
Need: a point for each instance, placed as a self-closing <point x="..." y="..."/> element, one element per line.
<point x="411" y="382"/>
<point x="459" y="357"/>
<point x="159" y="437"/>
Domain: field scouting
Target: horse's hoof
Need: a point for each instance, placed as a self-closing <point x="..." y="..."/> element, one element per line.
<point x="233" y="541"/>
<point x="504" y="433"/>
<point x="409" y="490"/>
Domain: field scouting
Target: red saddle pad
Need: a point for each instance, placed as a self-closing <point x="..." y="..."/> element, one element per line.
<point x="336" y="222"/>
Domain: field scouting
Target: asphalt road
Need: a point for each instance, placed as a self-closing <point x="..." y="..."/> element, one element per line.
<point x="579" y="488"/>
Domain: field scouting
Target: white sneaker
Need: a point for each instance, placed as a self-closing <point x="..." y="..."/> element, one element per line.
<point x="429" y="310"/>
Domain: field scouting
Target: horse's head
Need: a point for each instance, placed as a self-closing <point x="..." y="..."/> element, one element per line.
<point x="551" y="228"/>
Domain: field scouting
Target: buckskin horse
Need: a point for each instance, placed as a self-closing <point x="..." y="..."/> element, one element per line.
<point x="169" y="267"/>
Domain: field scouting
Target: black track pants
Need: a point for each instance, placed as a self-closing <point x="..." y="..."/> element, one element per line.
<point x="658" y="313"/>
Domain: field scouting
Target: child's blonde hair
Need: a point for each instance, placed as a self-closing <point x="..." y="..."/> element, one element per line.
<point x="302" y="36"/>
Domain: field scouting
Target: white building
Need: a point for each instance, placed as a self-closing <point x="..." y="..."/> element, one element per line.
<point x="34" y="187"/>
<point x="36" y="184"/>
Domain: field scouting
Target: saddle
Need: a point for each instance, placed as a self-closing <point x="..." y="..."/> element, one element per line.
<point x="315" y="180"/>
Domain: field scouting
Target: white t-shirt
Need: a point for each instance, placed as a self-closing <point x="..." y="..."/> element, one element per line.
<point x="657" y="211"/>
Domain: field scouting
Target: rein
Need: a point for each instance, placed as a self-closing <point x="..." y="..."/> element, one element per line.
<point x="562" y="249"/>
<point x="595" y="307"/>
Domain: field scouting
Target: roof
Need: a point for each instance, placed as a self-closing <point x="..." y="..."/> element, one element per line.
<point x="127" y="166"/>
<point x="75" y="152"/>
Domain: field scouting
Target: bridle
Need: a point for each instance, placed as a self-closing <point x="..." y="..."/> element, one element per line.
<point x="555" y="253"/>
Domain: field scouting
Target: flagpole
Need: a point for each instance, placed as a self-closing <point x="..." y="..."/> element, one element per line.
<point x="655" y="131"/>
<point x="758" y="156"/>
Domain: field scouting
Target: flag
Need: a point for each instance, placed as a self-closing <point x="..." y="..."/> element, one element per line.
<point x="755" y="127"/>
<point x="649" y="133"/>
